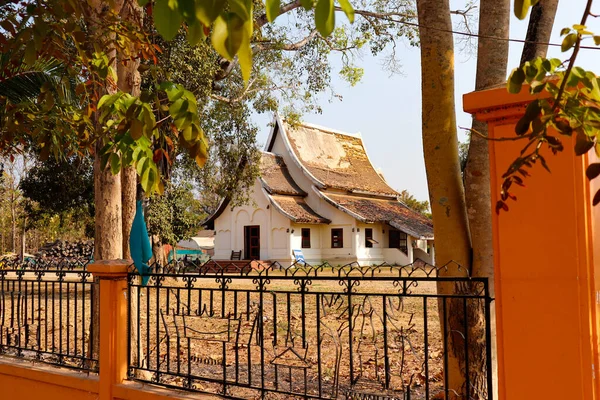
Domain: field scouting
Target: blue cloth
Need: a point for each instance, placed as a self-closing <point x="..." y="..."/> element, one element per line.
<point x="139" y="244"/>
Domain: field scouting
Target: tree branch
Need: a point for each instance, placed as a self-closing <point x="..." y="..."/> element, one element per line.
<point x="561" y="91"/>
<point x="380" y="15"/>
<point x="500" y="139"/>
<point x="465" y="14"/>
<point x="262" y="20"/>
<point x="287" y="47"/>
<point x="226" y="65"/>
<point x="246" y="92"/>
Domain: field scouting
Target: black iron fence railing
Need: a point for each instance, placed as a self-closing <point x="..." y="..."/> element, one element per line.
<point x="305" y="331"/>
<point x="46" y="312"/>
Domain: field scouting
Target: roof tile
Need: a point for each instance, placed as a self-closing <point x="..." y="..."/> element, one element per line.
<point x="338" y="160"/>
<point x="391" y="212"/>
<point x="297" y="210"/>
<point x="276" y="177"/>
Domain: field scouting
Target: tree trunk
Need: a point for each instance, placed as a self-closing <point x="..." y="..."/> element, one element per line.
<point x="108" y="241"/>
<point x="158" y="251"/>
<point x="23" y="238"/>
<point x="128" y="197"/>
<point x="446" y="193"/>
<point x="13" y="220"/>
<point x="108" y="237"/>
<point x="541" y="21"/>
<point x="492" y="60"/>
<point x="129" y="81"/>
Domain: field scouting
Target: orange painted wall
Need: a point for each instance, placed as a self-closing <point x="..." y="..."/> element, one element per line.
<point x="545" y="272"/>
<point x="18" y="381"/>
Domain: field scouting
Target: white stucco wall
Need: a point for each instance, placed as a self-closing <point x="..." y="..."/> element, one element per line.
<point x="423" y="255"/>
<point x="396" y="256"/>
<point x="229" y="228"/>
<point x="373" y="255"/>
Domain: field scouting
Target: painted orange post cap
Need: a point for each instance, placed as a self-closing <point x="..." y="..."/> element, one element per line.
<point x="109" y="268"/>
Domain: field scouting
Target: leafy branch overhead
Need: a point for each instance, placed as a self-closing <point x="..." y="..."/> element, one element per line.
<point x="64" y="53"/>
<point x="230" y="23"/>
<point x="134" y="125"/>
<point x="567" y="104"/>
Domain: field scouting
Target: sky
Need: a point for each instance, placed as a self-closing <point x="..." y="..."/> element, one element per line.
<point x="386" y="109"/>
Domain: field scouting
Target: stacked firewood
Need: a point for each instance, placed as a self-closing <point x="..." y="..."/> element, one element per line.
<point x="80" y="249"/>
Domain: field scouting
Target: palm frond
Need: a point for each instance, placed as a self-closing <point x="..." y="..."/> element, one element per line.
<point x="25" y="83"/>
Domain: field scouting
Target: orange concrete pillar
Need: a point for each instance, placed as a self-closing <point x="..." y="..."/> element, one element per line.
<point x="113" y="324"/>
<point x="546" y="277"/>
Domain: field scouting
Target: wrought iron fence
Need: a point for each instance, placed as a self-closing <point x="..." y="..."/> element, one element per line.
<point x="306" y="331"/>
<point x="46" y="312"/>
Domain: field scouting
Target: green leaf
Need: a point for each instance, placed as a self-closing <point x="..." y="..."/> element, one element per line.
<point x="207" y="11"/>
<point x="136" y="130"/>
<point x="597" y="40"/>
<point x="107" y="100"/>
<point x="245" y="54"/>
<point x="596" y="199"/>
<point x="522" y="126"/>
<point x="537" y="87"/>
<point x="568" y="42"/>
<point x="227" y="34"/>
<point x="348" y="9"/>
<point x="103" y="160"/>
<point x="578" y="72"/>
<point x="515" y="81"/>
<point x="195" y="33"/>
<point x="325" y="17"/>
<point x="533" y="110"/>
<point x="145" y="179"/>
<point x="530" y="71"/>
<point x="136" y="153"/>
<point x="579" y="27"/>
<point x="183" y="122"/>
<point x="242" y="8"/>
<point x="272" y="7"/>
<point x="143" y="3"/>
<point x="174" y="92"/>
<point x="307" y="4"/>
<point x="522" y="8"/>
<point x="546" y="65"/>
<point x="564" y="31"/>
<point x="582" y="143"/>
<point x="149" y="178"/>
<point x="177" y="108"/>
<point x="30" y="53"/>
<point x="167" y="18"/>
<point x="190" y="133"/>
<point x="115" y="163"/>
<point x="141" y="165"/>
<point x="188" y="10"/>
<point x="592" y="171"/>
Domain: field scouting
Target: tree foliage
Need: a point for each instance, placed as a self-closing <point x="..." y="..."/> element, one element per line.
<point x="175" y="215"/>
<point x="60" y="188"/>
<point x="60" y="32"/>
<point x="67" y="50"/>
<point x="411" y="202"/>
<point x="568" y="103"/>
